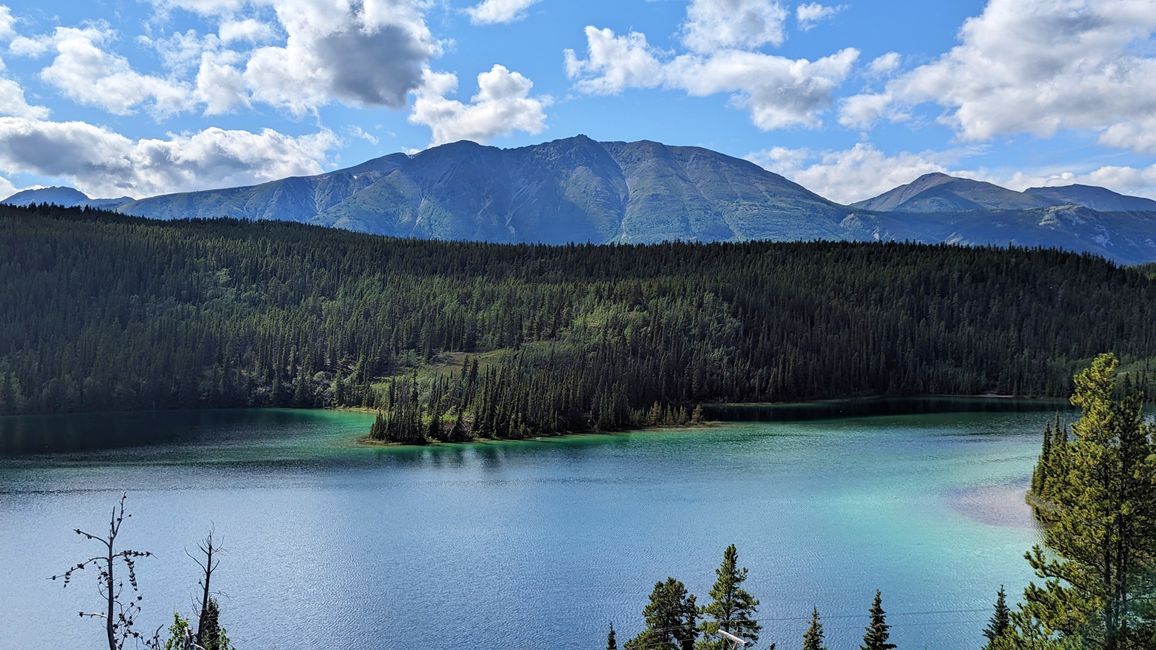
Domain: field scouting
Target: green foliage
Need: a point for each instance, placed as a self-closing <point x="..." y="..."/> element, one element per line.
<point x="1099" y="572"/>
<point x="670" y="619"/>
<point x="813" y="637"/>
<point x="611" y="639"/>
<point x="731" y="608"/>
<point x="100" y="311"/>
<point x="878" y="631"/>
<point x="180" y="634"/>
<point x="998" y="628"/>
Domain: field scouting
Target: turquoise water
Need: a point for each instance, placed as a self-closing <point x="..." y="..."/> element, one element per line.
<point x="536" y="544"/>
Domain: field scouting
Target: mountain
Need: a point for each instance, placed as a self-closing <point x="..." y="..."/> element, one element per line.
<point x="67" y="197"/>
<point x="63" y="196"/>
<point x="942" y="193"/>
<point x="1096" y="198"/>
<point x="572" y="190"/>
<point x="580" y="190"/>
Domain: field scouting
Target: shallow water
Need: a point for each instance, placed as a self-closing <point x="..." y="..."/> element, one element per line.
<point x="529" y="544"/>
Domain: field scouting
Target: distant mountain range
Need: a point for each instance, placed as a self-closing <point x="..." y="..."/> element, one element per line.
<point x="579" y="190"/>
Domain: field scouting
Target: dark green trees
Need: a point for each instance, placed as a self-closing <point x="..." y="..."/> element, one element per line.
<point x="1099" y="572"/>
<point x="878" y="631"/>
<point x="731" y="608"/>
<point x="813" y="637"/>
<point x="229" y="313"/>
<point x="999" y="627"/>
<point x="611" y="639"/>
<point x="670" y="619"/>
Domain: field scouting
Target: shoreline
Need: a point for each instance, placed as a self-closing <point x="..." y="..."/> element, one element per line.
<point x="366" y="442"/>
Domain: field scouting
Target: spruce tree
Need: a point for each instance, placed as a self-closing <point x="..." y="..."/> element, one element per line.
<point x="670" y="619"/>
<point x="1100" y="565"/>
<point x="731" y="608"/>
<point x="813" y="637"/>
<point x="611" y="639"/>
<point x="1000" y="622"/>
<point x="878" y="631"/>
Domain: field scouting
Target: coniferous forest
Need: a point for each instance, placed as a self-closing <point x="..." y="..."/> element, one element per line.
<point x="456" y="340"/>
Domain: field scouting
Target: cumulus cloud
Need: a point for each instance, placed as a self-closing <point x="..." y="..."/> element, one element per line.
<point x="777" y="91"/>
<point x="850" y="175"/>
<point x="613" y="63"/>
<point x="248" y="30"/>
<point x="83" y="71"/>
<point x="7" y="189"/>
<point x="102" y="162"/>
<point x="810" y="14"/>
<point x="885" y="64"/>
<point x="363" y="52"/>
<point x="502" y="105"/>
<point x="492" y="12"/>
<point x="220" y="83"/>
<point x="13" y="102"/>
<point x="202" y="7"/>
<point x="725" y="24"/>
<point x="7" y="24"/>
<point x="1040" y="66"/>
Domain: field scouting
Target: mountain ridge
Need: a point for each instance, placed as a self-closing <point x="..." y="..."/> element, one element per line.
<point x="578" y="190"/>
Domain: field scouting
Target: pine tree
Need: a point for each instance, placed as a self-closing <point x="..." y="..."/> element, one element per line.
<point x="1098" y="570"/>
<point x="813" y="637"/>
<point x="1000" y="622"/>
<point x="878" y="631"/>
<point x="670" y="619"/>
<point x="731" y="608"/>
<point x="611" y="639"/>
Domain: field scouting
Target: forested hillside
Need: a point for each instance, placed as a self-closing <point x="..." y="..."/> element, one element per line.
<point x="100" y="311"/>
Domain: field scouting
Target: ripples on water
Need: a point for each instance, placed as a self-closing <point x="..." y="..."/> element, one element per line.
<point x="522" y="544"/>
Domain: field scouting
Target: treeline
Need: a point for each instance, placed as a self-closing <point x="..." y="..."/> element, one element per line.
<point x="1094" y="491"/>
<point x="100" y="311"/>
<point x="1094" y="488"/>
<point x="675" y="622"/>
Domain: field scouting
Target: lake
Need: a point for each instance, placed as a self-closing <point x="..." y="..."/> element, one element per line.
<point x="534" y="544"/>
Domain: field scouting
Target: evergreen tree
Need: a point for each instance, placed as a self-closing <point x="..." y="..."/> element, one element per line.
<point x="1000" y="624"/>
<point x="1100" y="570"/>
<point x="670" y="619"/>
<point x="813" y="637"/>
<point x="731" y="608"/>
<point x="611" y="639"/>
<point x="878" y="631"/>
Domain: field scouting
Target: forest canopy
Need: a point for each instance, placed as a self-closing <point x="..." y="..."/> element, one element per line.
<point x="100" y="311"/>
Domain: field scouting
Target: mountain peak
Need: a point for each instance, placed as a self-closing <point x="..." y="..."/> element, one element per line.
<point x="67" y="197"/>
<point x="939" y="192"/>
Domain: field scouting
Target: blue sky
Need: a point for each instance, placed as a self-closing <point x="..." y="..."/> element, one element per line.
<point x="139" y="97"/>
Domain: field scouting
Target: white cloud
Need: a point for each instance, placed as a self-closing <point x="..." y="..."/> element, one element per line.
<point x="492" y="12"/>
<point x="202" y="7"/>
<point x="248" y="30"/>
<point x="1138" y="134"/>
<point x="724" y="24"/>
<point x="777" y="91"/>
<point x="12" y="101"/>
<point x="613" y="63"/>
<point x="7" y="189"/>
<point x="862" y="111"/>
<point x="7" y="22"/>
<point x="220" y="84"/>
<point x="363" y="52"/>
<point x="810" y="14"/>
<point x="502" y="105"/>
<point x="1041" y="66"/>
<point x="851" y="175"/>
<point x="101" y="162"/>
<point x="885" y="64"/>
<point x="86" y="73"/>
<point x="361" y="134"/>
